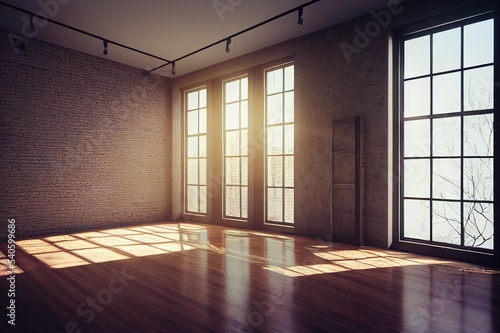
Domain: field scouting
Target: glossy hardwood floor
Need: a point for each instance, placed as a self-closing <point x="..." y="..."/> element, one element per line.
<point x="198" y="278"/>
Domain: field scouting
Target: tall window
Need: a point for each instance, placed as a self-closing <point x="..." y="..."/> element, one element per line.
<point x="447" y="135"/>
<point x="236" y="148"/>
<point x="280" y="144"/>
<point x="196" y="151"/>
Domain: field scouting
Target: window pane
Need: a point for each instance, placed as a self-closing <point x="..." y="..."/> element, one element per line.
<point x="232" y="116"/>
<point x="192" y="198"/>
<point x="417" y="138"/>
<point x="289" y="171"/>
<point x="203" y="146"/>
<point x="289" y="107"/>
<point x="233" y="143"/>
<point x="244" y="88"/>
<point x="417" y="98"/>
<point x="417" y="57"/>
<point x="446" y="93"/>
<point x="192" y="99"/>
<point x="192" y="124"/>
<point x="478" y="179"/>
<point x="192" y="147"/>
<point x="192" y="178"/>
<point x="244" y="143"/>
<point x="203" y="171"/>
<point x="244" y="202"/>
<point x="203" y="120"/>
<point x="478" y="89"/>
<point x="275" y="140"/>
<point x="244" y="171"/>
<point x="446" y="136"/>
<point x="203" y="98"/>
<point x="233" y="171"/>
<point x="244" y="114"/>
<point x="478" y="43"/>
<point x="478" y="224"/>
<point x="416" y="219"/>
<point x="232" y="91"/>
<point x="233" y="201"/>
<point x="274" y="81"/>
<point x="203" y="199"/>
<point x="446" y="178"/>
<point x="478" y="135"/>
<point x="446" y="222"/>
<point x="275" y="171"/>
<point x="446" y="50"/>
<point x="417" y="178"/>
<point x="275" y="109"/>
<point x="289" y="139"/>
<point x="289" y="204"/>
<point x="274" y="204"/>
<point x="289" y="77"/>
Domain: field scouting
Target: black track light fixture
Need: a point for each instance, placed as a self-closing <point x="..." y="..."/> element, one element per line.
<point x="105" y="42"/>
<point x="32" y="25"/>
<point x="300" y="19"/>
<point x="228" y="42"/>
<point x="173" y="68"/>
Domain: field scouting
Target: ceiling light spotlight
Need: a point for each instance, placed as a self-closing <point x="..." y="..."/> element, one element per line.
<point x="300" y="19"/>
<point x="105" y="42"/>
<point x="173" y="68"/>
<point x="32" y="25"/>
<point x="228" y="42"/>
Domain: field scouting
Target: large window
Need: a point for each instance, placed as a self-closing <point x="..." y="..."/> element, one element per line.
<point x="196" y="151"/>
<point x="236" y="148"/>
<point x="280" y="144"/>
<point x="447" y="140"/>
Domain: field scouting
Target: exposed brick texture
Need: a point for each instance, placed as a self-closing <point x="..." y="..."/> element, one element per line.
<point x="85" y="142"/>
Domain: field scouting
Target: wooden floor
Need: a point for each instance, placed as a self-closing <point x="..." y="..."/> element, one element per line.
<point x="198" y="278"/>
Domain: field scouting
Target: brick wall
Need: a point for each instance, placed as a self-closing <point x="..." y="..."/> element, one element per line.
<point x="85" y="142"/>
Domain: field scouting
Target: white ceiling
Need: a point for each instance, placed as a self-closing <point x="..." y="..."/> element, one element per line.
<point x="173" y="28"/>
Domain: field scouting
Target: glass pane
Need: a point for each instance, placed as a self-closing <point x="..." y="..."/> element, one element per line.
<point x="192" y="99"/>
<point x="417" y="138"/>
<point x="233" y="143"/>
<point x="244" y="202"/>
<point x="244" y="88"/>
<point x="233" y="171"/>
<point x="446" y="50"/>
<point x="417" y="57"/>
<point x="478" y="43"/>
<point x="203" y="171"/>
<point x="192" y="177"/>
<point x="192" y="147"/>
<point x="232" y="91"/>
<point x="192" y="198"/>
<point x="203" y="199"/>
<point x="446" y="178"/>
<point x="233" y="201"/>
<point x="275" y="204"/>
<point x="275" y="109"/>
<point x="446" y="222"/>
<point x="244" y="171"/>
<point x="478" y="135"/>
<point x="244" y="114"/>
<point x="244" y="143"/>
<point x="232" y="116"/>
<point x="289" y="171"/>
<point x="416" y="219"/>
<point x="203" y="120"/>
<point x="417" y="97"/>
<point x="289" y="107"/>
<point x="203" y="146"/>
<point x="478" y="89"/>
<point x="417" y="178"/>
<point x="275" y="140"/>
<point x="289" y="77"/>
<point x="446" y="93"/>
<point x="289" y="139"/>
<point x="203" y="98"/>
<point x="478" y="179"/>
<point x="192" y="122"/>
<point x="275" y="171"/>
<point x="446" y="136"/>
<point x="274" y="81"/>
<point x="478" y="225"/>
<point x="289" y="205"/>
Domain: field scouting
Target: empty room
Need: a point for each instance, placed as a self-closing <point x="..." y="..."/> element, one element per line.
<point x="244" y="166"/>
